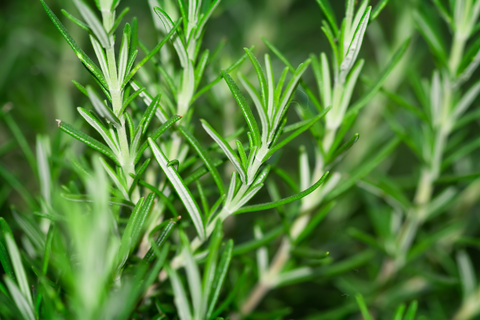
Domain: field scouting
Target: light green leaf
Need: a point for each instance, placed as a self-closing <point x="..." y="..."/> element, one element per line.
<point x="101" y="108"/>
<point x="177" y="42"/>
<point x="17" y="264"/>
<point x="118" y="182"/>
<point x="354" y="48"/>
<point x="180" y="297"/>
<point x="287" y="95"/>
<point x="180" y="187"/>
<point x="93" y="22"/>
<point x="256" y="101"/>
<point x="220" y="275"/>
<point x="467" y="274"/>
<point x="124" y="53"/>
<point x="97" y="125"/>
<point x="193" y="277"/>
<point x="24" y="306"/>
<point x="226" y="149"/>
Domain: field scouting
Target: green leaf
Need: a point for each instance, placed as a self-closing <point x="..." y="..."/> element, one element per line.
<point x="44" y="175"/>
<point x="193" y="277"/>
<point x="205" y="158"/>
<point x="399" y="312"/>
<point x="93" y="22"/>
<point x="411" y="311"/>
<point x="16" y="263"/>
<point x="467" y="274"/>
<point x="431" y="36"/>
<point x="177" y="42"/>
<point x="30" y="229"/>
<point x="260" y="75"/>
<point x="129" y="100"/>
<point x="153" y="52"/>
<point x="466" y="100"/>
<point x="87" y="62"/>
<point x="148" y="115"/>
<point x="139" y="221"/>
<point x="288" y="94"/>
<point x="76" y="21"/>
<point x="247" y="112"/>
<point x="155" y="135"/>
<point x="226" y="149"/>
<point x="211" y="264"/>
<point x="242" y="154"/>
<point x="220" y="276"/>
<point x="48" y="248"/>
<point x="359" y="104"/>
<point x="138" y="175"/>
<point x="345" y="147"/>
<point x="328" y="11"/>
<point x="6" y="263"/>
<point x="150" y="255"/>
<point x="124" y="53"/>
<point x="363" y="307"/>
<point x="205" y="17"/>
<point x="120" y="183"/>
<point x="118" y="20"/>
<point x="103" y="110"/>
<point x="305" y="87"/>
<point x="180" y="297"/>
<point x="89" y="141"/>
<point x="355" y="46"/>
<point x="378" y="8"/>
<point x="180" y="187"/>
<point x="217" y="80"/>
<point x="296" y="133"/>
<point x="256" y="101"/>
<point x="127" y="238"/>
<point x="270" y="205"/>
<point x="201" y="64"/>
<point x="24" y="306"/>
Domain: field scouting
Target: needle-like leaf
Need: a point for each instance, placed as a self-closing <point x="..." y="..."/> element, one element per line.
<point x="205" y="158"/>
<point x="87" y="62"/>
<point x="226" y="149"/>
<point x="270" y="205"/>
<point x="242" y="103"/>
<point x="180" y="187"/>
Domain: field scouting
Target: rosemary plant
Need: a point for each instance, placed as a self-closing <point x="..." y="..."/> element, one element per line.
<point x="212" y="184"/>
